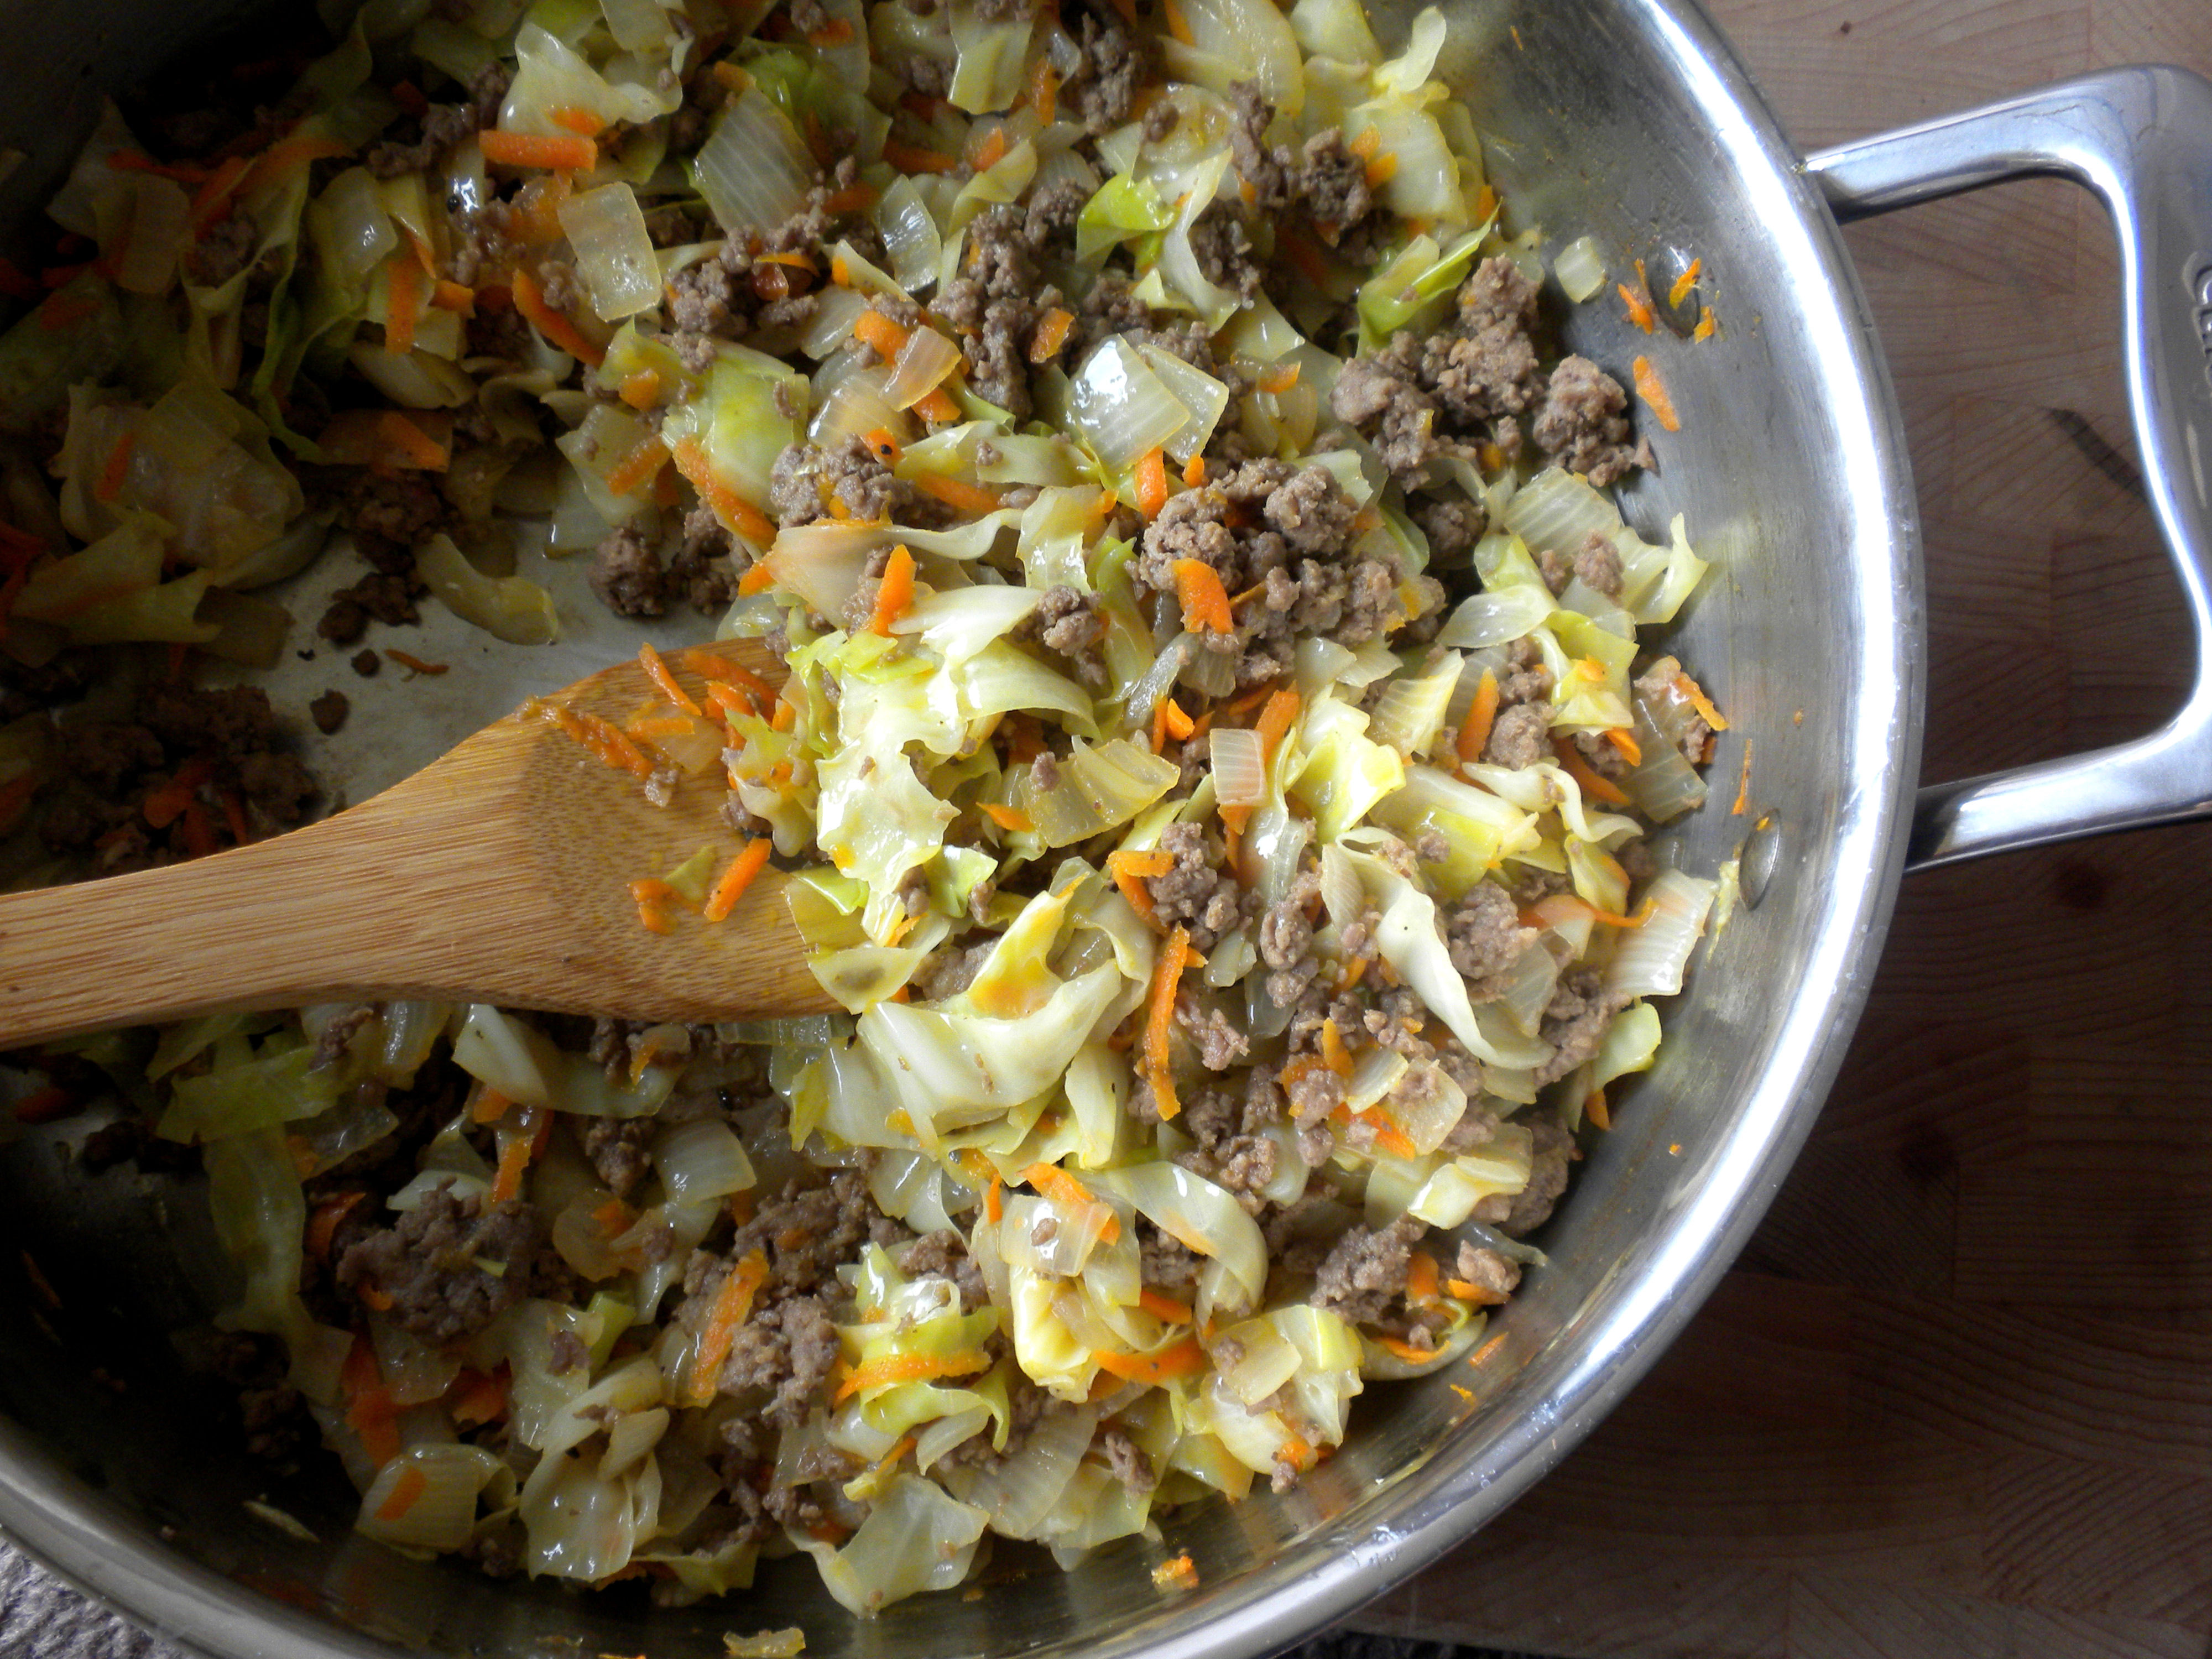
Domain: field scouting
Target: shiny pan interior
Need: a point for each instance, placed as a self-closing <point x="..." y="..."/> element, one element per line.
<point x="1626" y="120"/>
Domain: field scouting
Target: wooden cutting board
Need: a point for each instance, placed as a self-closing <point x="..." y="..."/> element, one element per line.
<point x="1956" y="1398"/>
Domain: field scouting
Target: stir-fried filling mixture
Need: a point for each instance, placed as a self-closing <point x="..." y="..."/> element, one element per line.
<point x="1215" y="757"/>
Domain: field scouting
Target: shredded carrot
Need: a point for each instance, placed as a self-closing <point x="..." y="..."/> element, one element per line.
<point x="477" y="1397"/>
<point x="1051" y="332"/>
<point x="558" y="330"/>
<point x="607" y="742"/>
<point x="215" y="195"/>
<point x="571" y="154"/>
<point x="414" y="665"/>
<point x="1133" y="887"/>
<point x="515" y="1153"/>
<point x="1194" y="471"/>
<point x="1653" y="391"/>
<point x="913" y="158"/>
<point x="1407" y="1351"/>
<point x="737" y="876"/>
<point x="759" y="580"/>
<point x="909" y="1368"/>
<point x="1180" y="1573"/>
<point x="163" y="806"/>
<point x="1482" y="1296"/>
<point x="1474" y="730"/>
<point x="1421" y="1277"/>
<point x="1179" y="725"/>
<point x="406" y="1492"/>
<point x="691" y="458"/>
<point x="1637" y="301"/>
<point x="1381" y="169"/>
<point x="1743" y="786"/>
<point x="734" y="1304"/>
<point x="1708" y="325"/>
<point x="583" y="123"/>
<point x="1161" y="1305"/>
<point x="113" y="475"/>
<point x="1365" y="146"/>
<point x="991" y="151"/>
<point x="1697" y="700"/>
<point x="639" y="467"/>
<point x="957" y="493"/>
<point x="410" y="445"/>
<point x="1151" y="481"/>
<point x="403" y="307"/>
<point x="1333" y="1053"/>
<point x="1281" y="378"/>
<point x="785" y="717"/>
<point x="640" y="389"/>
<point x="1159" y="1021"/>
<point x="453" y="296"/>
<point x="489" y="1106"/>
<point x="994" y="1196"/>
<point x="1685" y="282"/>
<point x="887" y="337"/>
<point x="1594" y="785"/>
<point x="705" y="661"/>
<point x="1205" y="604"/>
<point x="894" y="594"/>
<point x="323" y="1224"/>
<point x="938" y="407"/>
<point x="1185" y="1359"/>
<point x="1151" y="862"/>
<point x="1007" y="817"/>
<point x="1275" y="721"/>
<point x="1595" y="1108"/>
<point x="656" y="670"/>
<point x="1063" y="1188"/>
<point x="1044" y="89"/>
<point x="1623" y="740"/>
<point x="883" y="446"/>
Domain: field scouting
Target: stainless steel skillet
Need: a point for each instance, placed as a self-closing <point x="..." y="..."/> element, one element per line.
<point x="1628" y="121"/>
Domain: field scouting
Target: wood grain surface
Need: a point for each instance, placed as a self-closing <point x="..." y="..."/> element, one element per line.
<point x="1956" y="1398"/>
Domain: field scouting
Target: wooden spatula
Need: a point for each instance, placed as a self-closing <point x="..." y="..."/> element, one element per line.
<point x="501" y="873"/>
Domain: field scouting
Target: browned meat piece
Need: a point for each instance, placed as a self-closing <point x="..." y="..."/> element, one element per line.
<point x="329" y="711"/>
<point x="618" y="1150"/>
<point x="1485" y="938"/>
<point x="437" y="1265"/>
<point x="628" y="575"/>
<point x="1223" y="247"/>
<point x="1498" y="1275"/>
<point x="787" y="1350"/>
<point x="1195" y="893"/>
<point x="366" y="664"/>
<point x="1582" y="424"/>
<point x="1332" y="182"/>
<point x="1366" y="1271"/>
<point x="1127" y="1461"/>
<point x="1102" y="88"/>
<point x="1264" y="167"/>
<point x="223" y="250"/>
<point x="1520" y="737"/>
<point x="805" y="479"/>
<point x="943" y="1255"/>
<point x="1575" y="1022"/>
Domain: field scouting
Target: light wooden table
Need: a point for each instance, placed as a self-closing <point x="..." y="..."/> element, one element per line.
<point x="1957" y="1397"/>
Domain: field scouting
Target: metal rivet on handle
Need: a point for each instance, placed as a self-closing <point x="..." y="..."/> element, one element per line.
<point x="1761" y="855"/>
<point x="1663" y="270"/>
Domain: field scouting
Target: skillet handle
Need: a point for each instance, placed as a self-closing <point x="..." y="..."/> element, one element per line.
<point x="2142" y="139"/>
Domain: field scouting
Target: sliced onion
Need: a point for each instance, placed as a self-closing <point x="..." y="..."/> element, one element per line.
<point x="848" y="399"/>
<point x="1240" y="777"/>
<point x="923" y="362"/>
<point x="1652" y="958"/>
<point x="910" y="235"/>
<point x="1199" y="392"/>
<point x="701" y="1159"/>
<point x="361" y="230"/>
<point x="836" y="311"/>
<point x="1535" y="976"/>
<point x="754" y="171"/>
<point x="614" y="252"/>
<point x="1121" y="406"/>
<point x="1580" y="268"/>
<point x="1558" y="510"/>
<point x="441" y="1513"/>
<point x="1496" y="617"/>
<point x="1663" y="785"/>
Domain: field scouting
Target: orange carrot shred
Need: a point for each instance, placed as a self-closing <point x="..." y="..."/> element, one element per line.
<point x="638" y="468"/>
<point x="1205" y="604"/>
<point x="738" y="876"/>
<point x="1421" y="1277"/>
<point x="1624" y="740"/>
<point x="414" y="665"/>
<point x="734" y="1304"/>
<point x="1064" y="1189"/>
<point x="514" y="1153"/>
<point x="1637" y="301"/>
<point x="1051" y="334"/>
<point x="1275" y="721"/>
<point x="1007" y="817"/>
<point x="1159" y="1021"/>
<point x="887" y="337"/>
<point x="881" y="444"/>
<point x="1708" y="325"/>
<point x="1594" y="784"/>
<point x="1594" y="1108"/>
<point x="938" y="407"/>
<point x="1481" y="714"/>
<point x="571" y="154"/>
<point x="656" y="670"/>
<point x="406" y="1492"/>
<point x="912" y="158"/>
<point x="641" y="390"/>
<point x="583" y="123"/>
<point x="1743" y="786"/>
<point x="558" y="330"/>
<point x="1685" y="282"/>
<point x="1151" y="481"/>
<point x="1161" y="1305"/>
<point x="691" y="458"/>
<point x="1185" y="1359"/>
<point x="1407" y="1351"/>
<point x="1333" y="1053"/>
<point x="989" y="153"/>
<point x="1044" y="90"/>
<point x="910" y="1368"/>
<point x="894" y="592"/>
<point x="117" y="469"/>
<point x="403" y="307"/>
<point x="453" y="296"/>
<point x="957" y="493"/>
<point x="1653" y="391"/>
<point x="1279" y="379"/>
<point x="1194" y="471"/>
